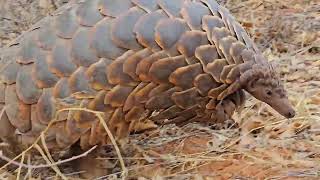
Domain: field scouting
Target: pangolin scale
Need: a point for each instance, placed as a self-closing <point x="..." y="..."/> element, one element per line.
<point x="186" y="60"/>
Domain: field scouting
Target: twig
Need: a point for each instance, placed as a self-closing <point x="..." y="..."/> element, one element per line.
<point x="28" y="174"/>
<point x="113" y="141"/>
<point x="19" y="170"/>
<point x="68" y="174"/>
<point x="45" y="165"/>
<point x="48" y="157"/>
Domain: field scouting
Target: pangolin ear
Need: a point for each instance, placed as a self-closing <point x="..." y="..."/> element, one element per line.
<point x="251" y="85"/>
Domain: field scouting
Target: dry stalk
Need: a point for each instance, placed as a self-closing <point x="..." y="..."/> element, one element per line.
<point x="55" y="168"/>
<point x="19" y="169"/>
<point x="46" y="165"/>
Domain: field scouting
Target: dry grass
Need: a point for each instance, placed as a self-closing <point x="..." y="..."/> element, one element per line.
<point x="266" y="146"/>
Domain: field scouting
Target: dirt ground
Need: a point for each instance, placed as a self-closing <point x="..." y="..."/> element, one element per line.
<point x="265" y="146"/>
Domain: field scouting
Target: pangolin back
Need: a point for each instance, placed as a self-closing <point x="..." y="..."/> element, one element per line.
<point x="127" y="59"/>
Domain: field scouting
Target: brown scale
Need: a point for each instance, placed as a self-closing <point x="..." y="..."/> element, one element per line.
<point x="61" y="89"/>
<point x="147" y="5"/>
<point x="189" y="42"/>
<point x="95" y="136"/>
<point x="145" y="64"/>
<point x="233" y="74"/>
<point x="135" y="113"/>
<point x="66" y="23"/>
<point x="36" y="125"/>
<point x="145" y="29"/>
<point x="140" y="126"/>
<point x="97" y="75"/>
<point x="59" y="59"/>
<point x="45" y="107"/>
<point x="97" y="104"/>
<point x="242" y="35"/>
<point x="184" y="76"/>
<point x="245" y="66"/>
<point x="27" y="50"/>
<point x="166" y="37"/>
<point x="130" y="64"/>
<point x="28" y="138"/>
<point x="17" y="111"/>
<point x="186" y="99"/>
<point x="50" y="134"/>
<point x="84" y="140"/>
<point x="79" y="82"/>
<point x="9" y="72"/>
<point x="217" y="35"/>
<point x="6" y="127"/>
<point x="206" y="54"/>
<point x="115" y="72"/>
<point x="239" y="31"/>
<point x="225" y="72"/>
<point x="117" y="124"/>
<point x="118" y="95"/>
<point x="213" y="6"/>
<point x="224" y="45"/>
<point x="46" y="37"/>
<point x="209" y="23"/>
<point x="193" y="12"/>
<point x="131" y="99"/>
<point x="72" y="130"/>
<point x="83" y="119"/>
<point x="87" y="13"/>
<point x="101" y="130"/>
<point x="41" y="74"/>
<point x="62" y="138"/>
<point x="229" y="90"/>
<point x="236" y="50"/>
<point x="159" y="89"/>
<point x="227" y="19"/>
<point x="162" y="100"/>
<point x="172" y="8"/>
<point x="214" y="93"/>
<point x="215" y="68"/>
<point x="101" y="42"/>
<point x="50" y="138"/>
<point x="81" y="53"/>
<point x="247" y="55"/>
<point x="161" y="70"/>
<point x="142" y="95"/>
<point x="122" y="29"/>
<point x="114" y="8"/>
<point x="139" y="122"/>
<point x="26" y="89"/>
<point x="184" y="116"/>
<point x="212" y="104"/>
<point x="224" y="109"/>
<point x="204" y="83"/>
<point x="168" y="113"/>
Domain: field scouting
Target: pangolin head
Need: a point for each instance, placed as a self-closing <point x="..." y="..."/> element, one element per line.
<point x="263" y="83"/>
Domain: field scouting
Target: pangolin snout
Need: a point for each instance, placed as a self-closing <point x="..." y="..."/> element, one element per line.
<point x="290" y="114"/>
<point x="284" y="107"/>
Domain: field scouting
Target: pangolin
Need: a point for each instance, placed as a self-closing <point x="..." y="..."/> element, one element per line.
<point x="140" y="62"/>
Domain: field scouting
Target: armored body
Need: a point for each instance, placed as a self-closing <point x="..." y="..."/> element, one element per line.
<point x="185" y="60"/>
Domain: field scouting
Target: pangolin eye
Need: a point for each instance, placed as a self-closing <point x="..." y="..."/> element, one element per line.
<point x="269" y="93"/>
